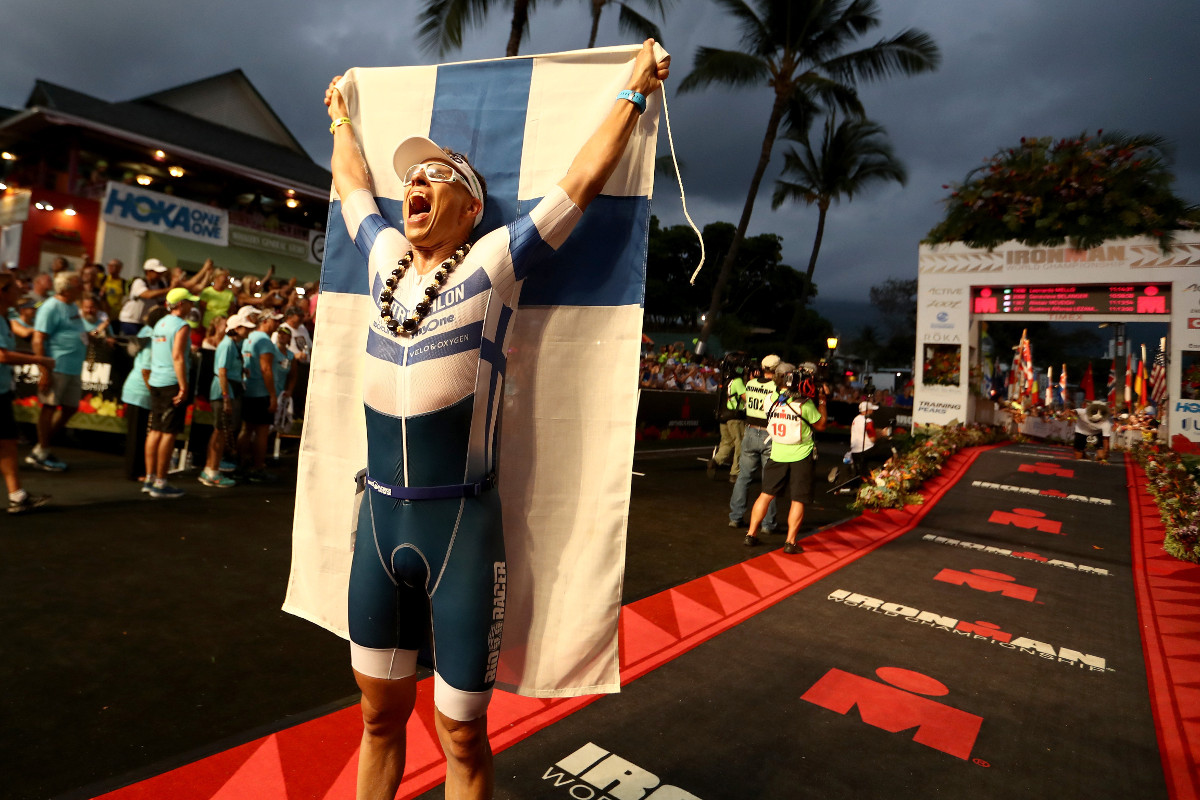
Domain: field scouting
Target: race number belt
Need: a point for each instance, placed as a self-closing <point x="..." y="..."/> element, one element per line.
<point x="454" y="490"/>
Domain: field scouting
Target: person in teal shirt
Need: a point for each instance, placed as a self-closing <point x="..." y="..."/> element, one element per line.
<point x="60" y="333"/>
<point x="135" y="394"/>
<point x="791" y="421"/>
<point x="261" y="359"/>
<point x="19" y="501"/>
<point x="170" y="352"/>
<point x="226" y="396"/>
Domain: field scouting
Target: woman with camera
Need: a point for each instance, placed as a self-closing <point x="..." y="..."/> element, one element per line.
<point x="791" y="420"/>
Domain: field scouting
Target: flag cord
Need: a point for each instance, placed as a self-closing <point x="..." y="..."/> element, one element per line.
<point x="679" y="177"/>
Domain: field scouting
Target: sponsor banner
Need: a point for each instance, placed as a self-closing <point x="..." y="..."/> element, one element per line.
<point x="135" y="207"/>
<point x="269" y="242"/>
<point x="676" y="414"/>
<point x="946" y="410"/>
<point x="316" y="247"/>
<point x="14" y="207"/>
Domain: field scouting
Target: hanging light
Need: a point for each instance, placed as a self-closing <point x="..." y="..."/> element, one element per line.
<point x="3" y="186"/>
<point x="291" y="193"/>
<point x="69" y="211"/>
<point x="40" y="206"/>
<point x="176" y="172"/>
<point x="144" y="180"/>
<point x="292" y="202"/>
<point x="159" y="155"/>
<point x="47" y="207"/>
<point x="7" y="156"/>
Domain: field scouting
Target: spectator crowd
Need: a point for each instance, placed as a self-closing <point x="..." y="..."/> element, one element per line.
<point x="206" y="341"/>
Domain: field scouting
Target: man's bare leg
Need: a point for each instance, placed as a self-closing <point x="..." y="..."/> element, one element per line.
<point x="758" y="511"/>
<point x="386" y="707"/>
<point x="469" y="771"/>
<point x="162" y="458"/>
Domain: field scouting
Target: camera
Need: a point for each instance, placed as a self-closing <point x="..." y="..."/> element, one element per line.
<point x="801" y="383"/>
<point x="733" y="364"/>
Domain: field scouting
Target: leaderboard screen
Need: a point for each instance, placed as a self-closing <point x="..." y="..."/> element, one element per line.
<point x="1132" y="298"/>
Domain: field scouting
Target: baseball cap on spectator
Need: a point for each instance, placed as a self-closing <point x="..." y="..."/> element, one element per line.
<point x="178" y="295"/>
<point x="153" y="265"/>
<point x="770" y="362"/>
<point x="267" y="313"/>
<point x="239" y="321"/>
<point x="864" y="407"/>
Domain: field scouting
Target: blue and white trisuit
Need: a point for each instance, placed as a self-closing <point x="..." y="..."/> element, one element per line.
<point x="433" y="570"/>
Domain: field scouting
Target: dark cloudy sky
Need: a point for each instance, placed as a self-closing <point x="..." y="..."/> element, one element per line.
<point x="1010" y="68"/>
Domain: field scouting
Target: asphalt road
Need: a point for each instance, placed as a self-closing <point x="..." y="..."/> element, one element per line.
<point x="140" y="634"/>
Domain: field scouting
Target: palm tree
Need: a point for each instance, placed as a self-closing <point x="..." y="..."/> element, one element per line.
<point x="853" y="154"/>
<point x="443" y="22"/>
<point x="629" y="20"/>
<point x="798" y="49"/>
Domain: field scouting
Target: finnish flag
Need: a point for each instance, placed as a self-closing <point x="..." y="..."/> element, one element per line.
<point x="570" y="388"/>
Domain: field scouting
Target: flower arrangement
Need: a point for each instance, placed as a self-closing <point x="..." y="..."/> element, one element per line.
<point x="895" y="484"/>
<point x="1177" y="495"/>
<point x="941" y="367"/>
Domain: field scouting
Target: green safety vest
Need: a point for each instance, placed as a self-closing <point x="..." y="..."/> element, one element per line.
<point x="759" y="394"/>
<point x="734" y="400"/>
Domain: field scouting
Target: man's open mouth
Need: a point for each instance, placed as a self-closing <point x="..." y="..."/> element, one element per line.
<point x="418" y="204"/>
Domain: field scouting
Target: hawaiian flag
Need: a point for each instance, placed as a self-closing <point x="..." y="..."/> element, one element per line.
<point x="1112" y="384"/>
<point x="1139" y="384"/>
<point x="577" y="336"/>
<point x="1088" y="384"/>
<point x="1014" y="375"/>
<point x="1028" y="381"/>
<point x="1129" y="381"/>
<point x="1158" y="377"/>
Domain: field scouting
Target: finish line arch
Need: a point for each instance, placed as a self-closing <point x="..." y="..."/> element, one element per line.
<point x="1126" y="280"/>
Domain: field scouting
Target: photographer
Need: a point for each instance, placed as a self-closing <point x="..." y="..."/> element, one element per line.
<point x="756" y="448"/>
<point x="732" y="415"/>
<point x="791" y="420"/>
<point x="867" y="445"/>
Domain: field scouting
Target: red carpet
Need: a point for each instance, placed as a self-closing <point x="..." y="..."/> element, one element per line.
<point x="1168" y="592"/>
<point x="318" y="759"/>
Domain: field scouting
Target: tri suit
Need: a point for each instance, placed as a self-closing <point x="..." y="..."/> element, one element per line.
<point x="429" y="565"/>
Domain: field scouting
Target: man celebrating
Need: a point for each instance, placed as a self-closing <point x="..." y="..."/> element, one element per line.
<point x="60" y="333"/>
<point x="430" y="436"/>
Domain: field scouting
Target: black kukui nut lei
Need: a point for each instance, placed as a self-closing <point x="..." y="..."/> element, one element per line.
<point x="410" y="326"/>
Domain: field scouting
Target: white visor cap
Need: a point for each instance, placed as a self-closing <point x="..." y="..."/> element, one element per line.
<point x="418" y="150"/>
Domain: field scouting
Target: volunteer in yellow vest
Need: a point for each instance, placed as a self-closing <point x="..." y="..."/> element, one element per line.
<point x="732" y="415"/>
<point x="756" y="448"/>
<point x="791" y="419"/>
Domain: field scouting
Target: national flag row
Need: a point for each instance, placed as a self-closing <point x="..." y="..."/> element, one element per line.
<point x="1141" y="387"/>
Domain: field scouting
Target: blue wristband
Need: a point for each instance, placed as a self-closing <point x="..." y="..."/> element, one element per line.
<point x="637" y="98"/>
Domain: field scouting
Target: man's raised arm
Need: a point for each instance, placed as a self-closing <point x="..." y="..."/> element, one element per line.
<point x="596" y="160"/>
<point x="347" y="164"/>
